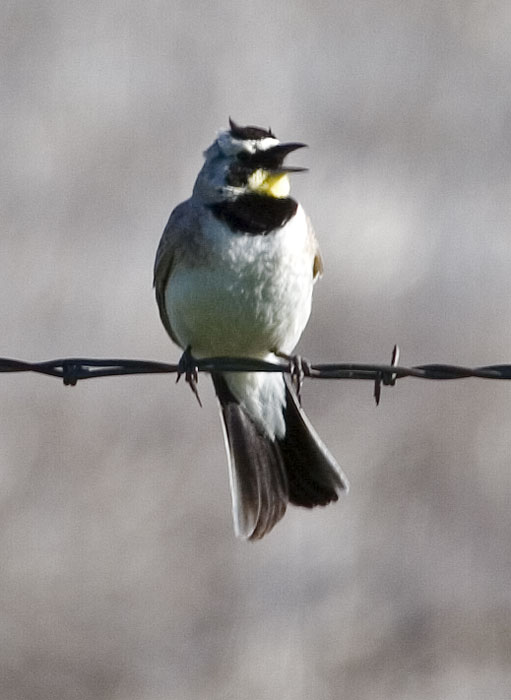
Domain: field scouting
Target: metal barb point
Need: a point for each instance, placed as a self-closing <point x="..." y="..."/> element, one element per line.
<point x="390" y="379"/>
<point x="377" y="388"/>
<point x="386" y="378"/>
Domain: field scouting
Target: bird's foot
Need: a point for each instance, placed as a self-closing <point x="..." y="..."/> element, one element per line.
<point x="299" y="368"/>
<point x="188" y="366"/>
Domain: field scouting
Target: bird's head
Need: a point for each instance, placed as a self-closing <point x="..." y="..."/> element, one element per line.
<point x="245" y="159"/>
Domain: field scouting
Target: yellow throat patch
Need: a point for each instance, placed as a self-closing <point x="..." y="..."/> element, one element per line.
<point x="263" y="182"/>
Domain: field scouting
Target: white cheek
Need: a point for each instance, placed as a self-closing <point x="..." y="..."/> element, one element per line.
<point x="256" y="180"/>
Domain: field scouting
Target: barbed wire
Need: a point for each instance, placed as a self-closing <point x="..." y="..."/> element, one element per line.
<point x="72" y="370"/>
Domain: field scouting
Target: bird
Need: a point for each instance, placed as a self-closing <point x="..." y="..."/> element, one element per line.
<point x="233" y="277"/>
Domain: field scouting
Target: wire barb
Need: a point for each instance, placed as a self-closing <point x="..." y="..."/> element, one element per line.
<point x="70" y="373"/>
<point x="386" y="378"/>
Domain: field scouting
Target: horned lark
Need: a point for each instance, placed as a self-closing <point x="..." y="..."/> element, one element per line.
<point x="233" y="276"/>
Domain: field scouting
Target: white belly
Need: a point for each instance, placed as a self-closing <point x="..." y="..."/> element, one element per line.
<point x="248" y="296"/>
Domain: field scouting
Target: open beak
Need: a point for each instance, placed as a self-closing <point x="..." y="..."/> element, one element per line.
<point x="272" y="159"/>
<point x="287" y="169"/>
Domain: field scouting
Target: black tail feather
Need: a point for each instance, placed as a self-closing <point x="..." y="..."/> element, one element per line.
<point x="268" y="473"/>
<point x="314" y="477"/>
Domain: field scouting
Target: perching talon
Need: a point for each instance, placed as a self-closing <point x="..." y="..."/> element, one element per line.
<point x="299" y="368"/>
<point x="187" y="365"/>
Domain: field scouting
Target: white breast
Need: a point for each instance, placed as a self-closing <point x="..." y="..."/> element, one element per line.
<point x="246" y="295"/>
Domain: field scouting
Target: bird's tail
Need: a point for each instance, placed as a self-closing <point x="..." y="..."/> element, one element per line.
<point x="269" y="471"/>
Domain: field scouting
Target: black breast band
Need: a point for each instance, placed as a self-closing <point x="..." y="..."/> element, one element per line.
<point x="255" y="213"/>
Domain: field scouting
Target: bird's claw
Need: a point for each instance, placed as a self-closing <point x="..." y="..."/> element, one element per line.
<point x="299" y="368"/>
<point x="188" y="366"/>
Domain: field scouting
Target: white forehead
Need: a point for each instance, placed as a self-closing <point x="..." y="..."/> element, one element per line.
<point x="230" y="145"/>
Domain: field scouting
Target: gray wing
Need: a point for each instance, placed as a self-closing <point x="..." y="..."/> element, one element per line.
<point x="176" y="242"/>
<point x="317" y="265"/>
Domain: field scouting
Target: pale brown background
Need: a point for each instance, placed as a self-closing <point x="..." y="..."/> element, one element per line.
<point x="120" y="577"/>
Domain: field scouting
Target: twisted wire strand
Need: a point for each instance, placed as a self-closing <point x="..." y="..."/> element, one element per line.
<point x="71" y="370"/>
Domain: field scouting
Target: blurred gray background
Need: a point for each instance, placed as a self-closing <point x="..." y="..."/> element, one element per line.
<point x="120" y="576"/>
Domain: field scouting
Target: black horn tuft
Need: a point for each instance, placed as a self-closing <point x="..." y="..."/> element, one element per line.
<point x="249" y="132"/>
